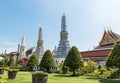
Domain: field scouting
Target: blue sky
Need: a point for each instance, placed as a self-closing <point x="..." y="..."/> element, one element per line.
<point x="86" y="20"/>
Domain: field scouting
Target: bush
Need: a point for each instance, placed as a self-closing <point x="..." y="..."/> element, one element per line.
<point x="103" y="72"/>
<point x="80" y="71"/>
<point x="33" y="61"/>
<point x="65" y="69"/>
<point x="60" y="67"/>
<point x="12" y="70"/>
<point x="4" y="62"/>
<point x="115" y="73"/>
<point x="90" y="67"/>
<point x="39" y="77"/>
<point x="23" y="69"/>
<point x="40" y="73"/>
<point x="96" y="73"/>
<point x="15" y="67"/>
<point x="11" y="62"/>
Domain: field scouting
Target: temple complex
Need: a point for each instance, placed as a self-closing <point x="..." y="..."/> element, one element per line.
<point x="100" y="53"/>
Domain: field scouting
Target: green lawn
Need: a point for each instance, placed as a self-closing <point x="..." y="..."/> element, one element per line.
<point x="26" y="77"/>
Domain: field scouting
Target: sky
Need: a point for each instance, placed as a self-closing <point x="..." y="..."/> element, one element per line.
<point x="86" y="21"/>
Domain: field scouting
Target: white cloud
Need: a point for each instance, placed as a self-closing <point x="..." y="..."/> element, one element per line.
<point x="9" y="43"/>
<point x="8" y="50"/>
<point x="8" y="46"/>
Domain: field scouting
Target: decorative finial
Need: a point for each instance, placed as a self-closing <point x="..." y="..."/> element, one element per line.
<point x="63" y="13"/>
<point x="41" y="26"/>
<point x="63" y="23"/>
<point x="107" y="28"/>
<point x="110" y="29"/>
<point x="40" y="35"/>
<point x="104" y="29"/>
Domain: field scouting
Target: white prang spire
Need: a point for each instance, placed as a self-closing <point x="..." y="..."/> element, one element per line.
<point x="40" y="35"/>
<point x="23" y="41"/>
<point x="22" y="48"/>
<point x="63" y="23"/>
<point x="40" y="48"/>
<point x="63" y="46"/>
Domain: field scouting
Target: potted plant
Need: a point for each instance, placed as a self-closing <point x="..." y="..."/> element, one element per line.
<point x="12" y="73"/>
<point x="1" y="70"/>
<point x="39" y="77"/>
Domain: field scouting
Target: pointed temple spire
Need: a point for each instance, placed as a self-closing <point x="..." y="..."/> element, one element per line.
<point x="63" y="23"/>
<point x="40" y="48"/>
<point x="18" y="48"/>
<point x="40" y="35"/>
<point x="23" y="41"/>
<point x="22" y="47"/>
<point x="63" y="46"/>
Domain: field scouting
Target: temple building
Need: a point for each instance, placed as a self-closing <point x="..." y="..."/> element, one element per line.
<point x="31" y="51"/>
<point x="61" y="51"/>
<point x="100" y="53"/>
<point x="40" y="49"/>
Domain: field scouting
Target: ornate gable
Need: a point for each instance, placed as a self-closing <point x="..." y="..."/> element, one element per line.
<point x="107" y="38"/>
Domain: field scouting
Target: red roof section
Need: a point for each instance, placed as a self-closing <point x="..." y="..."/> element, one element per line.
<point x="97" y="53"/>
<point x="96" y="59"/>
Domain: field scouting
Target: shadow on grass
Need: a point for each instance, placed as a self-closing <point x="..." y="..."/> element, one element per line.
<point x="109" y="80"/>
<point x="64" y="75"/>
<point x="61" y="75"/>
<point x="105" y="80"/>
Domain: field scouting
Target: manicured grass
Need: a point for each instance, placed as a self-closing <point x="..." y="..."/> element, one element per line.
<point x="26" y="77"/>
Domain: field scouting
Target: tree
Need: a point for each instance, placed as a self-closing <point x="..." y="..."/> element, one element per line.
<point x="47" y="61"/>
<point x="73" y="60"/>
<point x="6" y="61"/>
<point x="113" y="59"/>
<point x="3" y="61"/>
<point x="11" y="62"/>
<point x="33" y="61"/>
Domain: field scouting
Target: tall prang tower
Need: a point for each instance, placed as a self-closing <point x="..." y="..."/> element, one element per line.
<point x="40" y="49"/>
<point x="63" y="46"/>
<point x="22" y="48"/>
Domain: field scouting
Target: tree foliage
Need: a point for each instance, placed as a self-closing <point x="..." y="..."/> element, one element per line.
<point x="73" y="60"/>
<point x="59" y="67"/>
<point x="11" y="62"/>
<point x="90" y="67"/>
<point x="47" y="60"/>
<point x="33" y="61"/>
<point x="5" y="60"/>
<point x="114" y="56"/>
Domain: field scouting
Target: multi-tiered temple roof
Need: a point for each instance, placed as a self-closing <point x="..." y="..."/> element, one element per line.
<point x="100" y="52"/>
<point x="108" y="39"/>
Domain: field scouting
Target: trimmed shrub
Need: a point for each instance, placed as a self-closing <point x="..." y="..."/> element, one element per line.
<point x="11" y="62"/>
<point x="47" y="61"/>
<point x="33" y="61"/>
<point x="73" y="60"/>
